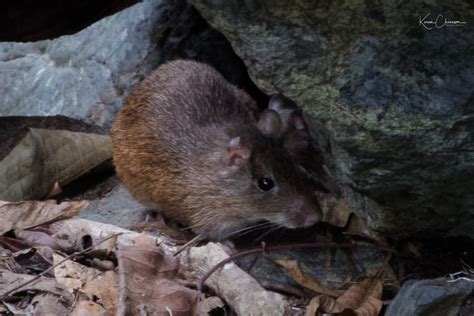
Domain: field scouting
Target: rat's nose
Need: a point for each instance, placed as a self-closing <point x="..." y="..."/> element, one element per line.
<point x="310" y="219"/>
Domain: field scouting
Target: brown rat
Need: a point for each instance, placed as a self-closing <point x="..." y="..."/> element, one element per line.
<point x="187" y="141"/>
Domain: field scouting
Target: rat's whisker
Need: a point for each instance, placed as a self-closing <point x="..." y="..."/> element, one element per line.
<point x="253" y="230"/>
<point x="249" y="229"/>
<point x="277" y="227"/>
<point x="192" y="227"/>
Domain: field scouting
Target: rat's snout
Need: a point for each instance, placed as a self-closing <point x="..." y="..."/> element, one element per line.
<point x="310" y="219"/>
<point x="303" y="215"/>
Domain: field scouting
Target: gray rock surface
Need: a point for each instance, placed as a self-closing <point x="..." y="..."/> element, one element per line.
<point x="85" y="75"/>
<point x="117" y="208"/>
<point x="397" y="99"/>
<point x="434" y="298"/>
<point x="345" y="266"/>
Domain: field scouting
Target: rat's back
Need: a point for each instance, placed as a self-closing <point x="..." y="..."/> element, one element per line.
<point x="173" y="118"/>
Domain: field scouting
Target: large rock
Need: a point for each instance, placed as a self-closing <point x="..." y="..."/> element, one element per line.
<point x="85" y="75"/>
<point x="434" y="298"/>
<point x="396" y="98"/>
<point x="28" y="21"/>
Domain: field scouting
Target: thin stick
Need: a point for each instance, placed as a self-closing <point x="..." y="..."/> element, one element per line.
<point x="281" y="287"/>
<point x="261" y="251"/>
<point x="71" y="256"/>
<point x="190" y="243"/>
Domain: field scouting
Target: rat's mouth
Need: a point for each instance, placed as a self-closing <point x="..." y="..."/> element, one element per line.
<point x="301" y="220"/>
<point x="236" y="228"/>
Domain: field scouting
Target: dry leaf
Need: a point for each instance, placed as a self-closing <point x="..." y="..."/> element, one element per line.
<point x="72" y="274"/>
<point x="105" y="288"/>
<point x="47" y="304"/>
<point x="363" y="299"/>
<point x="40" y="238"/>
<point x="98" y="286"/>
<point x="10" y="281"/>
<point x="82" y="233"/>
<point x="28" y="214"/>
<point x="336" y="210"/>
<point x="414" y="248"/>
<point x="39" y="304"/>
<point x="44" y="157"/>
<point x="14" y="128"/>
<point x="234" y="285"/>
<point x="35" y="260"/>
<point x="3" y="310"/>
<point x="86" y="308"/>
<point x="321" y="304"/>
<point x="56" y="190"/>
<point x="358" y="227"/>
<point x="206" y="306"/>
<point x="147" y="279"/>
<point x="293" y="269"/>
<point x="8" y="262"/>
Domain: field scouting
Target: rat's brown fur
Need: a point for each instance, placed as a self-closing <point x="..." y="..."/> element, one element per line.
<point x="172" y="149"/>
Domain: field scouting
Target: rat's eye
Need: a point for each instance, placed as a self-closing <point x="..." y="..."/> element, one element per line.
<point x="265" y="184"/>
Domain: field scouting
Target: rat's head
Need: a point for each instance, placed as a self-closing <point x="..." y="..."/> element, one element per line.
<point x="284" y="120"/>
<point x="261" y="183"/>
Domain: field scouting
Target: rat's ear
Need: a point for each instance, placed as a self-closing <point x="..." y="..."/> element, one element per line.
<point x="297" y="137"/>
<point x="276" y="102"/>
<point x="269" y="123"/>
<point x="238" y="154"/>
<point x="297" y="121"/>
<point x="297" y="141"/>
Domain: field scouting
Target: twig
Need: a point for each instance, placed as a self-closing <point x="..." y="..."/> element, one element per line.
<point x="71" y="256"/>
<point x="193" y="242"/>
<point x="280" y="287"/>
<point x="261" y="251"/>
<point x="381" y="269"/>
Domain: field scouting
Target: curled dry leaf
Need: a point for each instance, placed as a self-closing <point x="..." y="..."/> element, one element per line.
<point x="8" y="262"/>
<point x="33" y="213"/>
<point x="37" y="304"/>
<point x="146" y="279"/>
<point x="47" y="304"/>
<point x="100" y="288"/>
<point x="72" y="274"/>
<point x="82" y="233"/>
<point x="363" y="299"/>
<point x="56" y="190"/>
<point x="210" y="304"/>
<point x="35" y="260"/>
<point x="293" y="269"/>
<point x="11" y="281"/>
<point x="335" y="208"/>
<point x="105" y="288"/>
<point x="357" y="226"/>
<point x="233" y="284"/>
<point x="40" y="238"/>
<point x="102" y="265"/>
<point x="84" y="308"/>
<point x="321" y="304"/>
<point x="44" y="157"/>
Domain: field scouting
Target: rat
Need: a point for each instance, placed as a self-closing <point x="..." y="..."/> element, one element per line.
<point x="193" y="145"/>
